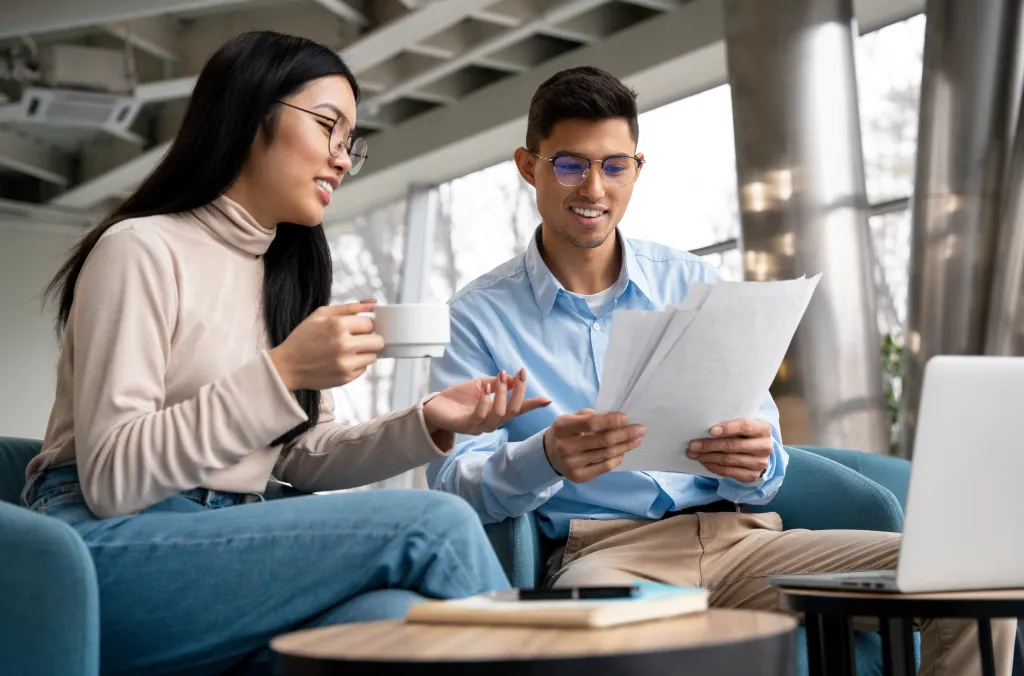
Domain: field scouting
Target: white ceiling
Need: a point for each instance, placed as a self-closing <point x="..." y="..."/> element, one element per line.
<point x="446" y="82"/>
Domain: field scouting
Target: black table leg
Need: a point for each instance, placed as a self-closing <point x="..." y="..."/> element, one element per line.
<point x="988" y="655"/>
<point x="815" y="646"/>
<point x="837" y="645"/>
<point x="898" y="646"/>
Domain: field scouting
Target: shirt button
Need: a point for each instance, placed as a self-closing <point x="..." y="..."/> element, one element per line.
<point x="597" y="326"/>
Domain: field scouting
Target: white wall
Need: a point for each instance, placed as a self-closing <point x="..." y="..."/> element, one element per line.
<point x="28" y="347"/>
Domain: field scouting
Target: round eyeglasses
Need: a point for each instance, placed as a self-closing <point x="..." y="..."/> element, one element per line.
<point x="340" y="139"/>
<point x="617" y="171"/>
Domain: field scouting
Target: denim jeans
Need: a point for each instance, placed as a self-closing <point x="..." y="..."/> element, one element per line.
<point x="201" y="582"/>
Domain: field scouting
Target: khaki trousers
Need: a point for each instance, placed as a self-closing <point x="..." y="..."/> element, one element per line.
<point x="731" y="553"/>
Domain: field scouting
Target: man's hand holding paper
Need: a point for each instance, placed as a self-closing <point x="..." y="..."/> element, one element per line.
<point x="585" y="445"/>
<point x="738" y="449"/>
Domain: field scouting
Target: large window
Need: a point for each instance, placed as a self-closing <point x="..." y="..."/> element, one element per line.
<point x="367" y="253"/>
<point x="889" y="87"/>
<point x="484" y="219"/>
<point x="686" y="195"/>
<point x="889" y="63"/>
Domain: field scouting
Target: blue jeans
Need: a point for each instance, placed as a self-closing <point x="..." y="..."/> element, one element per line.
<point x="201" y="582"/>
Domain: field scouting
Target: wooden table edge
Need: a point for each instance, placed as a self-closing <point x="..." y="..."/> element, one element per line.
<point x="787" y="625"/>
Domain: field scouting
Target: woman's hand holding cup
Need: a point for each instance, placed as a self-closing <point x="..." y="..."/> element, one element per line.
<point x="331" y="347"/>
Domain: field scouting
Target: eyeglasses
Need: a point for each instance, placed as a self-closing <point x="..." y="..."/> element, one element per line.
<point x="341" y="138"/>
<point x="572" y="170"/>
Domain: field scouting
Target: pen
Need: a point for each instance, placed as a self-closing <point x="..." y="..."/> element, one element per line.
<point x="569" y="594"/>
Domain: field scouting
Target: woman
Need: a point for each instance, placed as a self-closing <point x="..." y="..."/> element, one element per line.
<point x="171" y="413"/>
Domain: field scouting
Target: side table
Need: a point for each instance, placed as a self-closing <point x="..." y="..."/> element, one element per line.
<point x="719" y="642"/>
<point x="829" y="616"/>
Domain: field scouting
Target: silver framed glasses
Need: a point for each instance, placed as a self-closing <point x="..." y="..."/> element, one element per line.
<point x="617" y="171"/>
<point x="340" y="138"/>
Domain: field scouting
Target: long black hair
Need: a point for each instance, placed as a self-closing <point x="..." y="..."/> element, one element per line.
<point x="233" y="100"/>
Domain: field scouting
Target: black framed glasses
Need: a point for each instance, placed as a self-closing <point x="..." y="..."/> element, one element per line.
<point x="340" y="139"/>
<point x="572" y="170"/>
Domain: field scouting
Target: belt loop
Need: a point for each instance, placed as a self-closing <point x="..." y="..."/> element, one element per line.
<point x="28" y="495"/>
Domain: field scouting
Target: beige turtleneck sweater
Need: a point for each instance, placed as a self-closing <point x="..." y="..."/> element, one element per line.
<point x="164" y="382"/>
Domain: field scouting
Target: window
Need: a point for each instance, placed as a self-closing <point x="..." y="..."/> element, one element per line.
<point x="889" y="91"/>
<point x="889" y="66"/>
<point x="686" y="195"/>
<point x="367" y="253"/>
<point x="485" y="218"/>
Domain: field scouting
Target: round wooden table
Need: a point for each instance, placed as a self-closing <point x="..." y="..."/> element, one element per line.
<point x="828" y="615"/>
<point x="720" y="642"/>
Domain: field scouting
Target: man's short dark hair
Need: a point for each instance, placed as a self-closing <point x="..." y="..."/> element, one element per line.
<point x="586" y="93"/>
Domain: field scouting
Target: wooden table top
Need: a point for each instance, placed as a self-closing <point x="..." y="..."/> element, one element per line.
<point x="397" y="641"/>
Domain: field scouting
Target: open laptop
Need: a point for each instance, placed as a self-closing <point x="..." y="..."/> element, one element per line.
<point x="965" y="503"/>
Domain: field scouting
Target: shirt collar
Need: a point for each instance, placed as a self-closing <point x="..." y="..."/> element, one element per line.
<point x="546" y="287"/>
<point x="634" y="272"/>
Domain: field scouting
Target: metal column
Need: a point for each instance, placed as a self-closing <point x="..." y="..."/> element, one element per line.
<point x="803" y="209"/>
<point x="1005" y="333"/>
<point x="410" y="375"/>
<point x="966" y="104"/>
<point x="421" y="223"/>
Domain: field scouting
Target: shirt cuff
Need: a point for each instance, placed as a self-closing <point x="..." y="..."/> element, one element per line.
<point x="530" y="462"/>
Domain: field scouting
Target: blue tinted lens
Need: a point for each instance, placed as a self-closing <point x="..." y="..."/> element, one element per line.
<point x="619" y="169"/>
<point x="570" y="170"/>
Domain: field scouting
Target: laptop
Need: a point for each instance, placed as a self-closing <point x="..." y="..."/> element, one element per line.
<point x="965" y="503"/>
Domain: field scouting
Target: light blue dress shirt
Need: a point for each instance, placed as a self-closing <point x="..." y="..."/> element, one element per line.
<point x="518" y="315"/>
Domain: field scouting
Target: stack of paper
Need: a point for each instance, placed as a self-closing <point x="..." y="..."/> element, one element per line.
<point x="707" y="361"/>
<point x="654" y="602"/>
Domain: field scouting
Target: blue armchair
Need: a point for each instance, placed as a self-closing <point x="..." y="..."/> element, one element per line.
<point x="824" y="489"/>
<point x="45" y="568"/>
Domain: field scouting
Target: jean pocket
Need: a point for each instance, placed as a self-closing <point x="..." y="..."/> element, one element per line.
<point x="60" y="496"/>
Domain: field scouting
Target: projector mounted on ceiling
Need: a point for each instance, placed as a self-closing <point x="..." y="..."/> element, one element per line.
<point x="66" y="108"/>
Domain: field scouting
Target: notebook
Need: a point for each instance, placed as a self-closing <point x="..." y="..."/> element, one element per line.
<point x="653" y="601"/>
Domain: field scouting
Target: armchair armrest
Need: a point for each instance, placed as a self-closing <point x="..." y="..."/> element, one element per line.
<point x="49" y="617"/>
<point x="821" y="494"/>
<point x="517" y="544"/>
<point x="886" y="470"/>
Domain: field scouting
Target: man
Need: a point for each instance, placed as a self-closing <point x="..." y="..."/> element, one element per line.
<point x="550" y="310"/>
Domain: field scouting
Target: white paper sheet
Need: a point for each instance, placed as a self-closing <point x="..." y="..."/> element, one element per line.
<point x="713" y="362"/>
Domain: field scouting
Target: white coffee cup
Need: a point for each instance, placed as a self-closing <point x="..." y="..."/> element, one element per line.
<point x="412" y="330"/>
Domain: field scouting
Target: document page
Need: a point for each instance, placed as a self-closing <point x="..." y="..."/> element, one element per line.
<point x="713" y="362"/>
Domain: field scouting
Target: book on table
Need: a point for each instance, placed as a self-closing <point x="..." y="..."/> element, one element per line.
<point x="652" y="601"/>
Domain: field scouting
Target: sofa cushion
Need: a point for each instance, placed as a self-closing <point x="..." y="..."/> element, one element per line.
<point x="14" y="457"/>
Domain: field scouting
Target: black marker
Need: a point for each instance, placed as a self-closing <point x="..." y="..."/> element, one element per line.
<point x="569" y="594"/>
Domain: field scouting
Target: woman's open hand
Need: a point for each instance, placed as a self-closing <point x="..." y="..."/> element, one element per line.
<point x="479" y="406"/>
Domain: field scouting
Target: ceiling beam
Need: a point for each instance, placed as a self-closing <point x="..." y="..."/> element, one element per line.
<point x="664" y="58"/>
<point x="28" y="155"/>
<point x="157" y="37"/>
<point x="571" y="34"/>
<point x="29" y="17"/>
<point x="42" y="218"/>
<point x="659" y="5"/>
<point x="510" y="13"/>
<point x="390" y="39"/>
<point x="370" y="50"/>
<point x="131" y="173"/>
<point x="564" y="11"/>
<point x="343" y="10"/>
<point x="503" y="64"/>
